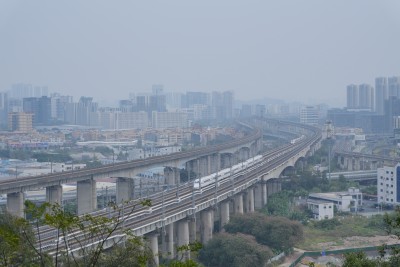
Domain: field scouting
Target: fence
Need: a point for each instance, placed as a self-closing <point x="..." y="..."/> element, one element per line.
<point x="336" y="252"/>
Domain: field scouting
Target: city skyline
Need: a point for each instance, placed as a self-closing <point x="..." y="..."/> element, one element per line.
<point x="306" y="52"/>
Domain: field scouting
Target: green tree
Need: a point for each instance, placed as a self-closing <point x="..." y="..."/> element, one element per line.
<point x="105" y="151"/>
<point x="279" y="204"/>
<point x="237" y="250"/>
<point x="14" y="251"/>
<point x="83" y="232"/>
<point x="359" y="259"/>
<point x="276" y="232"/>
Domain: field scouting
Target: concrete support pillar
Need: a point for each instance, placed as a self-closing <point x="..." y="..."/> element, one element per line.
<point x="183" y="237"/>
<point x="86" y="196"/>
<point x="192" y="230"/>
<point x="172" y="175"/>
<point x="350" y="167"/>
<point x="225" y="161"/>
<point x="218" y="161"/>
<point x="242" y="155"/>
<point x="238" y="203"/>
<point x="236" y="158"/>
<point x="197" y="168"/>
<point x="153" y="243"/>
<point x="247" y="154"/>
<point x="124" y="189"/>
<point x="54" y="194"/>
<point x="189" y="166"/>
<point x="245" y="197"/>
<point x="250" y="200"/>
<point x="169" y="175"/>
<point x="264" y="194"/>
<point x="258" y="198"/>
<point x="276" y="187"/>
<point x="224" y="213"/>
<point x="357" y="164"/>
<point x="214" y="162"/>
<point x="206" y="225"/>
<point x="169" y="241"/>
<point x="177" y="175"/>
<point x="270" y="188"/>
<point x="203" y="166"/>
<point x="15" y="204"/>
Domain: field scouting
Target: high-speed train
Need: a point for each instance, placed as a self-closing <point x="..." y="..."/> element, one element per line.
<point x="225" y="173"/>
<point x="294" y="141"/>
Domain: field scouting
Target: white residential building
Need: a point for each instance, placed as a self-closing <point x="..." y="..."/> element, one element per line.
<point x="344" y="201"/>
<point x="387" y="181"/>
<point x="309" y="115"/>
<point x="321" y="210"/>
<point x="163" y="120"/>
<point x="139" y="153"/>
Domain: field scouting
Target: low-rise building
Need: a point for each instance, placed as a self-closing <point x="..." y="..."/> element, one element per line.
<point x="344" y="201"/>
<point x="321" y="210"/>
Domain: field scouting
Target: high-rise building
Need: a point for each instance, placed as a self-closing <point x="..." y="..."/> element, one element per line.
<point x="227" y="102"/>
<point x="260" y="110"/>
<point x="21" y="90"/>
<point x="3" y="109"/>
<point x="157" y="89"/>
<point x="381" y="94"/>
<point x="59" y="106"/>
<point x="141" y="103"/>
<point x="80" y="113"/>
<point x="394" y="86"/>
<point x="366" y="97"/>
<point x="157" y="103"/>
<point x="162" y="120"/>
<point x="40" y="107"/>
<point x="392" y="109"/>
<point x="246" y="111"/>
<point x="309" y="115"/>
<point x="222" y="105"/>
<point x="388" y="181"/>
<point x="20" y="121"/>
<point x="352" y="96"/>
<point x="174" y="100"/>
<point x="39" y="91"/>
<point x="126" y="105"/>
<point x="194" y="98"/>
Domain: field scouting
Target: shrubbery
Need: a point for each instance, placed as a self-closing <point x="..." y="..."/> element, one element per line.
<point x="234" y="250"/>
<point x="278" y="233"/>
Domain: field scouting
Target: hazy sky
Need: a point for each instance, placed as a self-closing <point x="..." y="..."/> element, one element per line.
<point x="294" y="50"/>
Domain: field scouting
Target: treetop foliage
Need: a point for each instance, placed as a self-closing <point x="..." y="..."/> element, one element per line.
<point x="235" y="250"/>
<point x="22" y="243"/>
<point x="278" y="233"/>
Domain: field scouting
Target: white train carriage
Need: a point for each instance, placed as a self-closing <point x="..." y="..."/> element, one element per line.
<point x="225" y="173"/>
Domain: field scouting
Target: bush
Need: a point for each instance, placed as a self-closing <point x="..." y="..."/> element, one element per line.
<point x="237" y="250"/>
<point x="278" y="233"/>
<point x="327" y="224"/>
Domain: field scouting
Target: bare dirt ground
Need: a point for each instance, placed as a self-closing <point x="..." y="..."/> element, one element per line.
<point x="360" y="241"/>
<point x="347" y="242"/>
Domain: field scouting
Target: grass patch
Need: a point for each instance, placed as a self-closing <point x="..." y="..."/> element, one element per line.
<point x="349" y="226"/>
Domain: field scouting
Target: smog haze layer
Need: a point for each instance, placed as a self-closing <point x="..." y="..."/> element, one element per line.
<point x="294" y="50"/>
